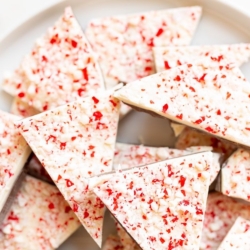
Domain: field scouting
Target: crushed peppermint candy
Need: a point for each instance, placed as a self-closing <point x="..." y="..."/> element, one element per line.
<point x="61" y="67"/>
<point x="129" y="156"/>
<point x="161" y="205"/>
<point x="112" y="243"/>
<point x="238" y="237"/>
<point x="202" y="98"/>
<point x="235" y="175"/>
<point x="221" y="214"/>
<point x="14" y="152"/>
<point x="191" y="137"/>
<point x="22" y="108"/>
<point x="211" y="55"/>
<point x="131" y="37"/>
<point x="39" y="218"/>
<point x="74" y="142"/>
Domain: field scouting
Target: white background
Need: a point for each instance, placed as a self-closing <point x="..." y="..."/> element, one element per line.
<point x="14" y="12"/>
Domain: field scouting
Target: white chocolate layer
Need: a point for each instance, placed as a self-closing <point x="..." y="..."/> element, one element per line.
<point x="39" y="218"/>
<point x="74" y="142"/>
<point x="124" y="43"/>
<point x="161" y="205"/>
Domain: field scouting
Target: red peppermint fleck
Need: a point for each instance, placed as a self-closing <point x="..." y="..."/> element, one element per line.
<point x="75" y="207"/>
<point x="8" y="151"/>
<point x="182" y="180"/>
<point x="162" y="240"/>
<point x="198" y="211"/>
<point x="192" y="89"/>
<point x="95" y="100"/>
<point x="21" y="95"/>
<point x="92" y="154"/>
<point x="91" y="147"/>
<point x="63" y="145"/>
<point x="113" y="102"/>
<point x="165" y="108"/>
<point x="209" y="129"/>
<point x="183" y="192"/>
<point x="44" y="59"/>
<point x="183" y="235"/>
<point x="166" y="65"/>
<point x="218" y="59"/>
<point x="179" y="116"/>
<point x="69" y="183"/>
<point x="144" y="217"/>
<point x="152" y="238"/>
<point x="80" y="91"/>
<point x="98" y="115"/>
<point x="85" y="214"/>
<point x="12" y="216"/>
<point x="179" y="63"/>
<point x="51" y="205"/>
<point x="7" y="171"/>
<point x="73" y="138"/>
<point x="67" y="209"/>
<point x="228" y="95"/>
<point x="177" y="78"/>
<point x="45" y="107"/>
<point x="247" y="129"/>
<point x="159" y="32"/>
<point x="218" y="112"/>
<point x="151" y="42"/>
<point x="73" y="43"/>
<point x="85" y="74"/>
<point x="148" y="69"/>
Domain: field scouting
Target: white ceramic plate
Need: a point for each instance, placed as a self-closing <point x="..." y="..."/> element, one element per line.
<point x="220" y="24"/>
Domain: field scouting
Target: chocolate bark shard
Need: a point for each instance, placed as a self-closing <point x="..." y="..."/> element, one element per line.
<point x="238" y="236"/>
<point x="162" y="203"/>
<point x="202" y="98"/>
<point x="221" y="213"/>
<point x="39" y="218"/>
<point x="74" y="142"/>
<point x="235" y="175"/>
<point x="61" y="67"/>
<point x="131" y="37"/>
<point x="14" y="153"/>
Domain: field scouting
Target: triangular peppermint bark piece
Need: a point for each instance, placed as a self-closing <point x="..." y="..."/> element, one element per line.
<point x="238" y="237"/>
<point x="124" y="43"/>
<point x="161" y="205"/>
<point x="191" y="137"/>
<point x="235" y="175"/>
<point x="74" y="142"/>
<point x="129" y="156"/>
<point x="22" y="108"/>
<point x="199" y="97"/>
<point x="14" y="152"/>
<point x="213" y="55"/>
<point x="221" y="214"/>
<point x="39" y="218"/>
<point x="61" y="67"/>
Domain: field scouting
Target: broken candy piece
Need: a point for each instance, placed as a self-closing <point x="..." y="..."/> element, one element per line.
<point x="22" y="109"/>
<point x="39" y="218"/>
<point x="74" y="142"/>
<point x="212" y="55"/>
<point x="133" y="36"/>
<point x="238" y="237"/>
<point x="14" y="152"/>
<point x="161" y="205"/>
<point x="112" y="243"/>
<point x="202" y="98"/>
<point x="221" y="213"/>
<point x="61" y="67"/>
<point x="235" y="175"/>
<point x="191" y="137"/>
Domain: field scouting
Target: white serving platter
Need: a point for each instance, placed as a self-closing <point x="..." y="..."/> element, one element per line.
<point x="220" y="24"/>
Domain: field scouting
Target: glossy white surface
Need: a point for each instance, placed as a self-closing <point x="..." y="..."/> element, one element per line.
<point x="220" y="24"/>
